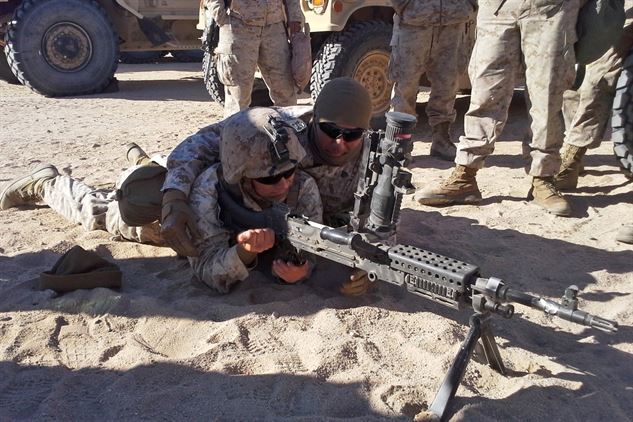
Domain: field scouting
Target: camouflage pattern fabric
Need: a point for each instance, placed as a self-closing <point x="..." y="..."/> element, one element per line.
<point x="95" y="209"/>
<point x="336" y="184"/>
<point x="218" y="265"/>
<point x="434" y="12"/>
<point x="252" y="34"/>
<point x="433" y="50"/>
<point x="245" y="155"/>
<point x="587" y="110"/>
<point x="542" y="33"/>
<point x="255" y="12"/>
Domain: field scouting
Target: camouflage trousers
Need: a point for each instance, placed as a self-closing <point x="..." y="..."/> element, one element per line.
<point x="241" y="49"/>
<point x="434" y="51"/>
<point x="95" y="209"/>
<point x="542" y="34"/>
<point x="587" y="110"/>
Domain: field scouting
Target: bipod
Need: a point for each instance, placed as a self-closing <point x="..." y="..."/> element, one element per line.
<point x="480" y="329"/>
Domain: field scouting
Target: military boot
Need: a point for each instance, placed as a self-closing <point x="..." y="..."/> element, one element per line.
<point x="460" y="188"/>
<point x="544" y="194"/>
<point x="625" y="234"/>
<point x="27" y="189"/>
<point x="441" y="145"/>
<point x="136" y="156"/>
<point x="571" y="163"/>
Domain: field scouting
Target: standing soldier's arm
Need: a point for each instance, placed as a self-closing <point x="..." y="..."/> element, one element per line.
<point x="295" y="16"/>
<point x="218" y="11"/>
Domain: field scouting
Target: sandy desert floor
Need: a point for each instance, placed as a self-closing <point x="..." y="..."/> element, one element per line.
<point x="164" y="347"/>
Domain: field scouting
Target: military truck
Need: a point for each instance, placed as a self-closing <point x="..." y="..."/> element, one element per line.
<point x="71" y="47"/>
<point x="349" y="38"/>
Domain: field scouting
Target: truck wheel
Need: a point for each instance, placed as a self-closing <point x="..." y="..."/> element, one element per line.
<point x="188" y="56"/>
<point x="139" y="57"/>
<point x="215" y="88"/>
<point x="5" y="70"/>
<point x="622" y="118"/>
<point x="62" y="47"/>
<point x="362" y="52"/>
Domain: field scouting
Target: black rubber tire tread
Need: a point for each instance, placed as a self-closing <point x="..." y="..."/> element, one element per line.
<point x="140" y="57"/>
<point x="622" y="118"/>
<point x="212" y="83"/>
<point x="188" y="56"/>
<point x="5" y="70"/>
<point x="92" y="79"/>
<point x="334" y="56"/>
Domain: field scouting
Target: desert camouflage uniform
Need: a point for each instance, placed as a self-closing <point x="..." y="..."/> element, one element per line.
<point x="428" y="37"/>
<point x="95" y="209"/>
<point x="252" y="33"/>
<point x="587" y="111"/>
<point x="542" y="33"/>
<point x="337" y="184"/>
<point x="244" y="154"/>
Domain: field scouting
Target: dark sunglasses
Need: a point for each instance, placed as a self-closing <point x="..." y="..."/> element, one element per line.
<point x="273" y="180"/>
<point x="348" y="135"/>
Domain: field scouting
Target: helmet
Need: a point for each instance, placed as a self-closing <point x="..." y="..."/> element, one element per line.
<point x="256" y="142"/>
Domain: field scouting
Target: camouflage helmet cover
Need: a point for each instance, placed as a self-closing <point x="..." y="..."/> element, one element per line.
<point x="247" y="149"/>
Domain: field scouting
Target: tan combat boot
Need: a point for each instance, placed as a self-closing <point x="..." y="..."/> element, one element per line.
<point x="136" y="156"/>
<point x="441" y="145"/>
<point x="460" y="188"/>
<point x="28" y="189"/>
<point x="571" y="163"/>
<point x="544" y="194"/>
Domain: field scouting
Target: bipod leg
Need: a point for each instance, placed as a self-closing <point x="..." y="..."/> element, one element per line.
<point x="491" y="351"/>
<point x="479" y="328"/>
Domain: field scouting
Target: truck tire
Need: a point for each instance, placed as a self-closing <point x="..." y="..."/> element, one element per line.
<point x="188" y="56"/>
<point x="5" y="70"/>
<point x="215" y="88"/>
<point x="622" y="118"/>
<point x="62" y="47"/>
<point x="362" y="52"/>
<point x="139" y="57"/>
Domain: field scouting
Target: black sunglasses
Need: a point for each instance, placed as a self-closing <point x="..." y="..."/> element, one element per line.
<point x="273" y="180"/>
<point x="348" y="135"/>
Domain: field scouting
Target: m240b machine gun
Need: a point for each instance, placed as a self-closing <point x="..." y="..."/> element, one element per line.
<point x="366" y="245"/>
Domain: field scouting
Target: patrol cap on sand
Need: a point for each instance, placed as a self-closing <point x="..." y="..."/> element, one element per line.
<point x="250" y="149"/>
<point x="140" y="197"/>
<point x="344" y="101"/>
<point x="80" y="269"/>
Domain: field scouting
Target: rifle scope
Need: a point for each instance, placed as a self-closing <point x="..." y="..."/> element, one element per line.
<point x="392" y="183"/>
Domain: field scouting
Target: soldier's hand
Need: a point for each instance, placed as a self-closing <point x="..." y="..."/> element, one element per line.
<point x="290" y="273"/>
<point x="178" y="224"/>
<point x="294" y="27"/>
<point x="256" y="240"/>
<point x="358" y="284"/>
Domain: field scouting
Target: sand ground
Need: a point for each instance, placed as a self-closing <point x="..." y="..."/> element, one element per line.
<point x="163" y="347"/>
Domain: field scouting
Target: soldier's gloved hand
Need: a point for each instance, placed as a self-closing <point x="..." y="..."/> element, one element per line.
<point x="256" y="240"/>
<point x="290" y="273"/>
<point x="294" y="27"/>
<point x="178" y="223"/>
<point x="357" y="285"/>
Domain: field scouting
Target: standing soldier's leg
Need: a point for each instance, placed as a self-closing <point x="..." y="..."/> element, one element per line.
<point x="587" y="113"/>
<point x="236" y="58"/>
<point x="274" y="64"/>
<point x="493" y="64"/>
<point x="443" y="72"/>
<point x="547" y="42"/>
<point x="409" y="56"/>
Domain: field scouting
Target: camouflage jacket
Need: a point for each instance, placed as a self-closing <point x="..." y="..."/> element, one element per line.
<point x="337" y="184"/>
<point x="434" y="12"/>
<point x="255" y="12"/>
<point x="218" y="265"/>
